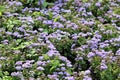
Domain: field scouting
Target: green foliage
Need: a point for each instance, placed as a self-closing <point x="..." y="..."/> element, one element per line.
<point x="116" y="11"/>
<point x="96" y="11"/>
<point x="55" y="64"/>
<point x="5" y="76"/>
<point x="2" y="9"/>
<point x="111" y="73"/>
<point x="11" y="23"/>
<point x="95" y="67"/>
<point x="81" y="41"/>
<point x="36" y="14"/>
<point x="64" y="47"/>
<point x="56" y="19"/>
<point x="34" y="3"/>
<point x="23" y="48"/>
<point x="110" y="32"/>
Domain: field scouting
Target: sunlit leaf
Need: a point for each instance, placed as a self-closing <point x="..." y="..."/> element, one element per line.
<point x="2" y="8"/>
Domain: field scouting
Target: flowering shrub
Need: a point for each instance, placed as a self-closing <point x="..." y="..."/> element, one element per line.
<point x="60" y="40"/>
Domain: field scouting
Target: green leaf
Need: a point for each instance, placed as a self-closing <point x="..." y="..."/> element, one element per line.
<point x="56" y="18"/>
<point x="29" y="1"/>
<point x="54" y="63"/>
<point x="45" y="4"/>
<point x="0" y="13"/>
<point x="46" y="57"/>
<point x="50" y="4"/>
<point x="100" y="0"/>
<point x="53" y="67"/>
<point x="45" y="30"/>
<point x="50" y="15"/>
<point x="69" y="71"/>
<point x="2" y="8"/>
<point x="1" y="74"/>
<point x="117" y="11"/>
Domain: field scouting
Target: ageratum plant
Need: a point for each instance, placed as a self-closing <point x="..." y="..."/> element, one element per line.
<point x="68" y="40"/>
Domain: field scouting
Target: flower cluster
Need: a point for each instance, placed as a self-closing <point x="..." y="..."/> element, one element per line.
<point x="66" y="40"/>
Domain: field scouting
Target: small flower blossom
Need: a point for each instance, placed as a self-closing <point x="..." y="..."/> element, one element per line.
<point x="40" y="68"/>
<point x="19" y="68"/>
<point x="19" y="63"/>
<point x="103" y="66"/>
<point x="27" y="65"/>
<point x="70" y="78"/>
<point x="98" y="4"/>
<point x="15" y="74"/>
<point x="90" y="54"/>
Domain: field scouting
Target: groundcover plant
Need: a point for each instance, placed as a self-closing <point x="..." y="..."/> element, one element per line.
<point x="59" y="39"/>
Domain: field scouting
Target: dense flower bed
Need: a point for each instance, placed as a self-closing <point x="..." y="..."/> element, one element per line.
<point x="69" y="40"/>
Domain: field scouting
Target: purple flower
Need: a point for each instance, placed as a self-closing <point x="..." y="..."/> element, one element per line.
<point x="58" y="25"/>
<point x="61" y="73"/>
<point x="118" y="0"/>
<point x="87" y="5"/>
<point x="51" y="46"/>
<point x="18" y="68"/>
<point x="9" y="33"/>
<point x="49" y="22"/>
<point x="102" y="45"/>
<point x="5" y="42"/>
<point x="40" y="68"/>
<point x="17" y="51"/>
<point x="50" y="53"/>
<point x="87" y="72"/>
<point x="41" y="57"/>
<point x="18" y="63"/>
<point x="15" y="74"/>
<point x="101" y="19"/>
<point x="63" y="68"/>
<point x="16" y="34"/>
<point x="39" y="18"/>
<point x="98" y="4"/>
<point x="66" y="73"/>
<point x="100" y="54"/>
<point x="89" y="13"/>
<point x="54" y="76"/>
<point x="25" y="9"/>
<point x="103" y="66"/>
<point x="90" y="54"/>
<point x="18" y="4"/>
<point x="63" y="58"/>
<point x="60" y="1"/>
<point x="70" y="78"/>
<point x="69" y="65"/>
<point x="26" y="34"/>
<point x="39" y="63"/>
<point x="66" y="0"/>
<point x="27" y="65"/>
<point x="87" y="78"/>
<point x="92" y="46"/>
<point x="35" y="44"/>
<point x="2" y="58"/>
<point x="21" y="29"/>
<point x="55" y="8"/>
<point x="30" y="61"/>
<point x="118" y="52"/>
